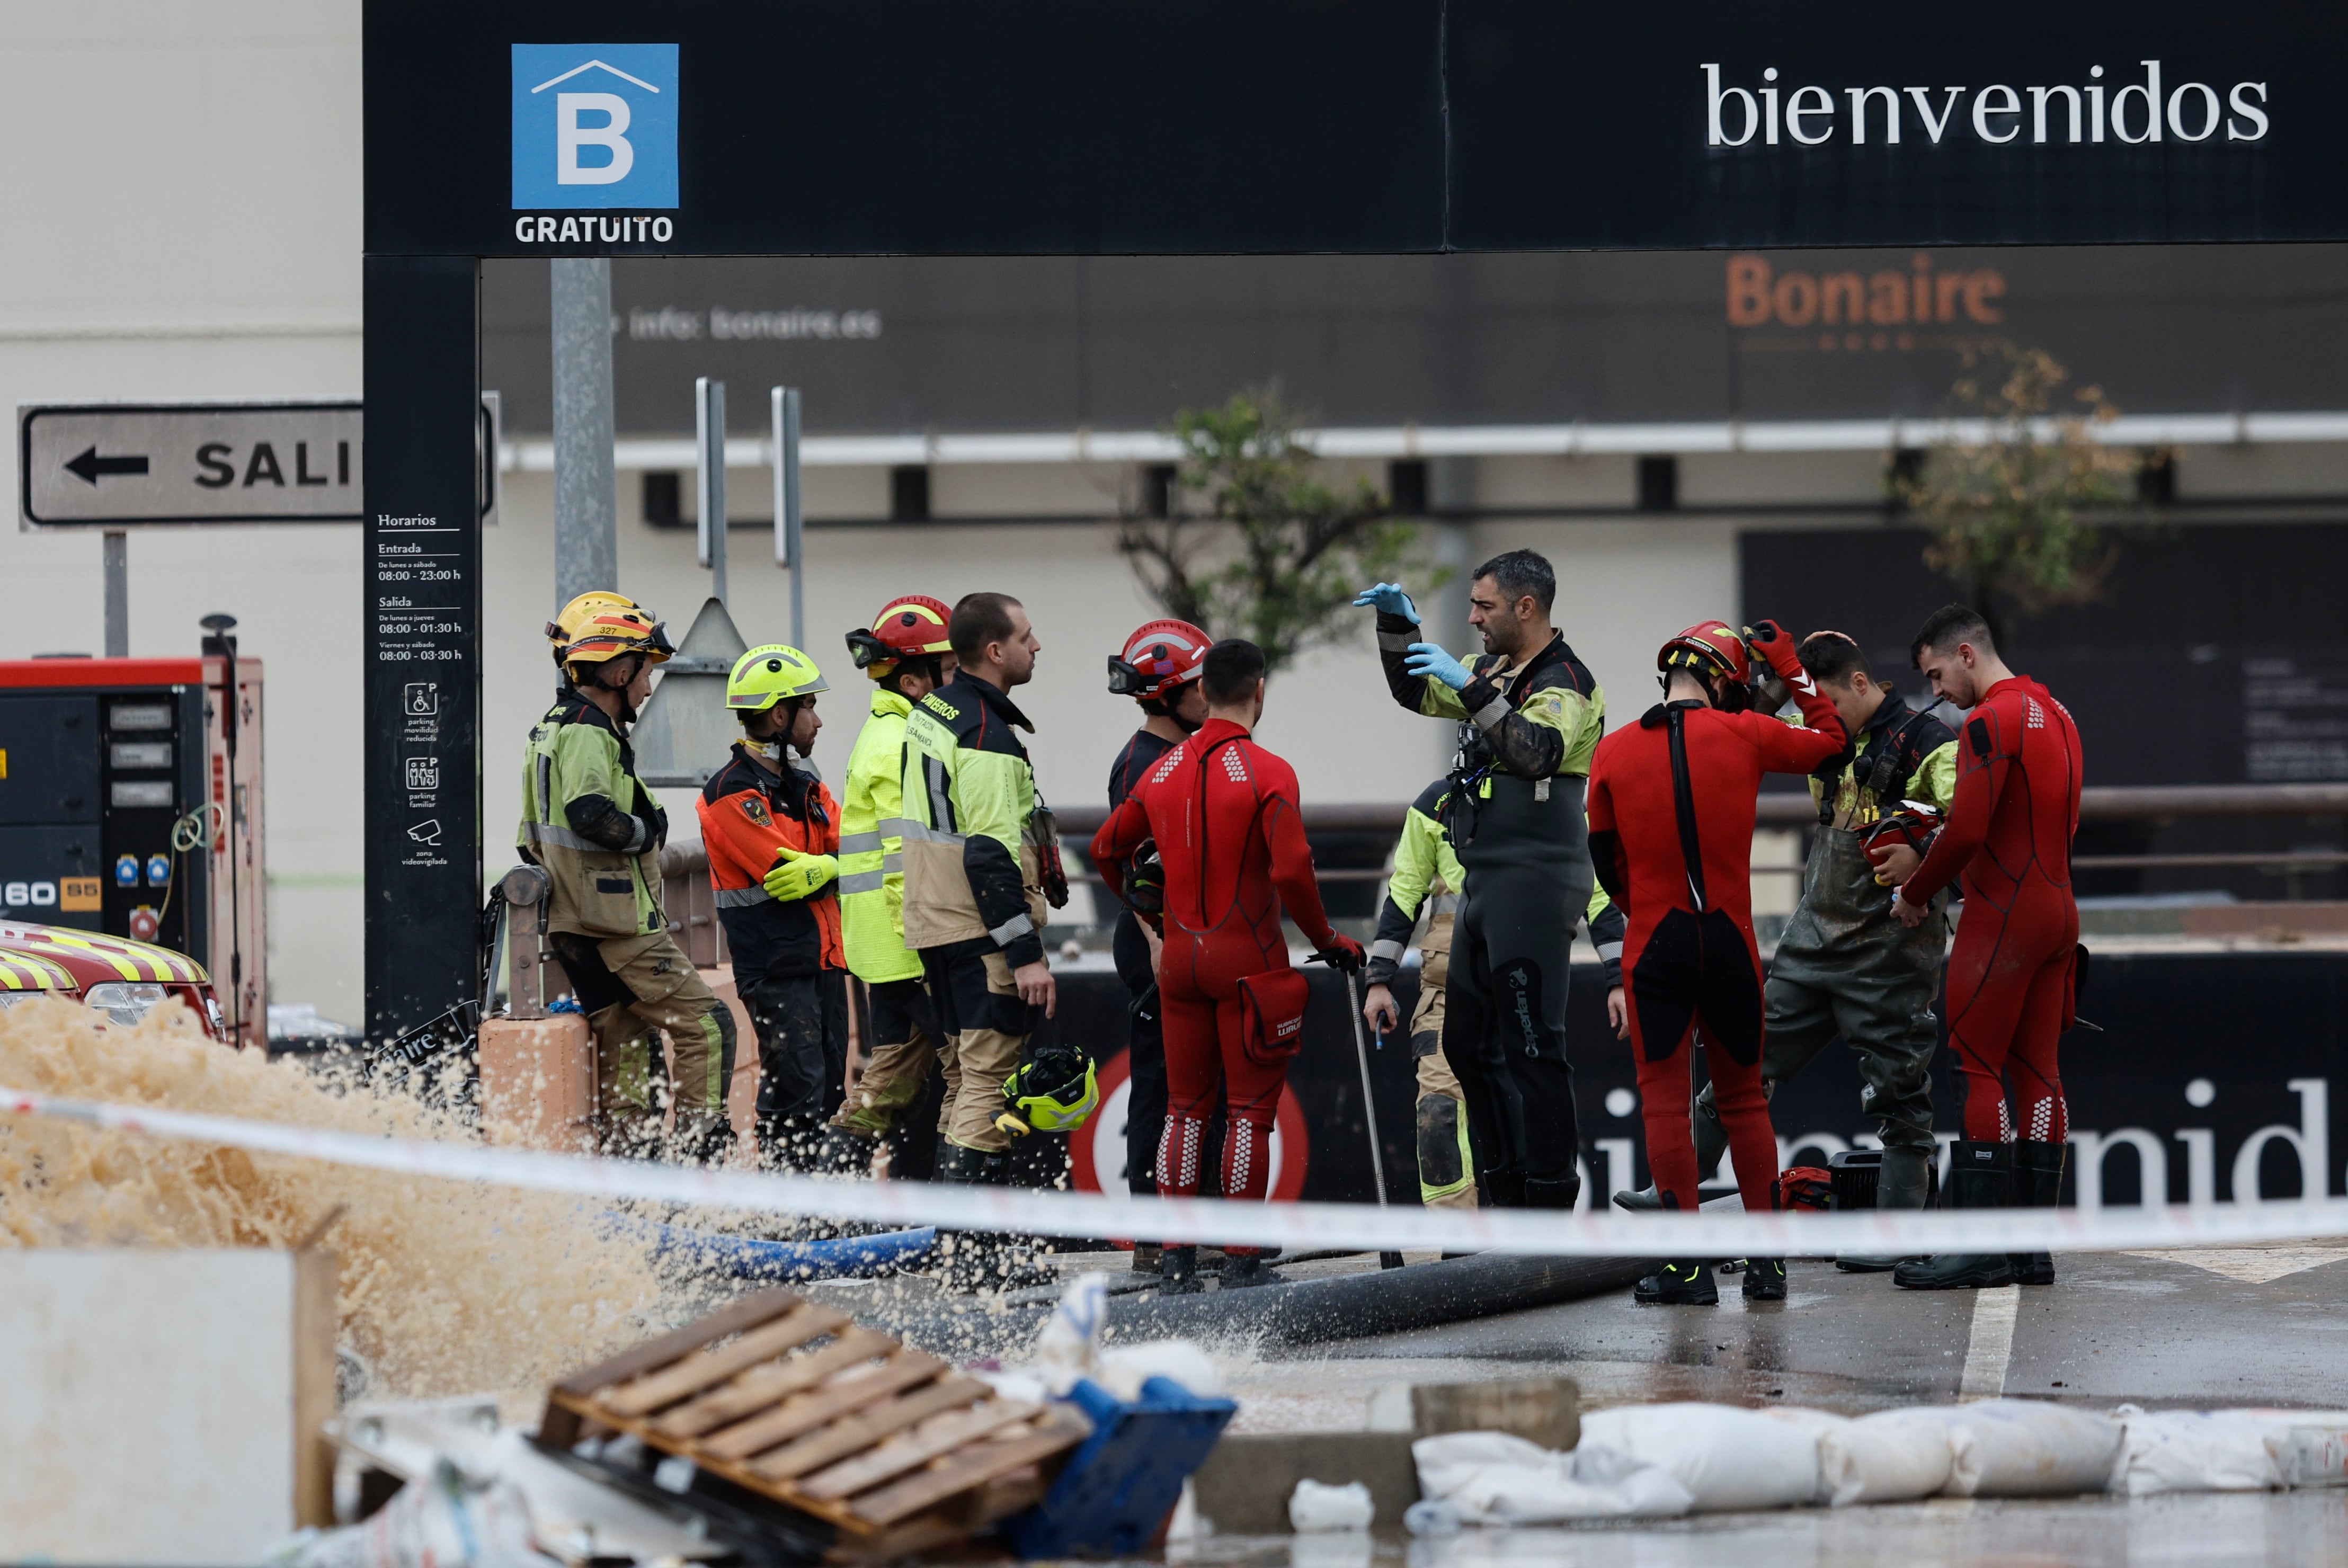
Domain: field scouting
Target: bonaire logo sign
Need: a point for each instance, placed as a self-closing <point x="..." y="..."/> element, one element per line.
<point x="594" y="127"/>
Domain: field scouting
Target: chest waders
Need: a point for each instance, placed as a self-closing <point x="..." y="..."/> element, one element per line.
<point x="1524" y="844"/>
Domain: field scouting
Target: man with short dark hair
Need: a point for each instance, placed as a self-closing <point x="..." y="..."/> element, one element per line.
<point x="978" y="855"/>
<point x="1529" y="715"/>
<point x="1844" y="966"/>
<point x="1230" y="835"/>
<point x="2012" y="988"/>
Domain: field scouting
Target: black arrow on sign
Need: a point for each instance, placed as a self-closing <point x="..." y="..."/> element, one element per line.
<point x="89" y="465"/>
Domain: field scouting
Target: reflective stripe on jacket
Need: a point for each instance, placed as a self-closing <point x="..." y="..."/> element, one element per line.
<point x="968" y="810"/>
<point x="579" y="778"/>
<point x="871" y="849"/>
<point x="746" y="815"/>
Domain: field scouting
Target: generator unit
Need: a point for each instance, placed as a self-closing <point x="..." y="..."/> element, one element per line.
<point x="131" y="803"/>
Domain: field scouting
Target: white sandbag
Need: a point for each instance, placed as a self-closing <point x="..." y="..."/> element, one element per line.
<point x="1816" y="1424"/>
<point x="2309" y="1447"/>
<point x="1316" y="1506"/>
<point x="2310" y="1456"/>
<point x="2196" y="1450"/>
<point x="1495" y="1479"/>
<point x="1726" y="1458"/>
<point x="2019" y="1448"/>
<point x="1891" y="1456"/>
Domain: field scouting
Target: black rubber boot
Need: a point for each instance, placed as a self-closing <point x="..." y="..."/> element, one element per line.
<point x="1981" y="1176"/>
<point x="1177" y="1272"/>
<point x="1906" y="1177"/>
<point x="1553" y="1193"/>
<point x="845" y="1153"/>
<point x="1680" y="1282"/>
<point x="2037" y="1184"/>
<point x="1144" y="1257"/>
<point x="1243" y="1271"/>
<point x="1764" y="1279"/>
<point x="1505" y="1189"/>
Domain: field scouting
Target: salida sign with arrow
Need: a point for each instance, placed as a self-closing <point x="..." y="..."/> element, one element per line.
<point x="112" y="465"/>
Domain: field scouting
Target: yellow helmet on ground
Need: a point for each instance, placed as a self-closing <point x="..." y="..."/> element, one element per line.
<point x="599" y="626"/>
<point x="1054" y="1091"/>
<point x="765" y="676"/>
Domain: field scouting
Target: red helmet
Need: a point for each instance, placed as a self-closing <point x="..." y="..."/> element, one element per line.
<point x="1158" y="657"/>
<point x="908" y="628"/>
<point x="1708" y="648"/>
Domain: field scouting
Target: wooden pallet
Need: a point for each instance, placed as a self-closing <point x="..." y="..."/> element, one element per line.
<point x="889" y="1444"/>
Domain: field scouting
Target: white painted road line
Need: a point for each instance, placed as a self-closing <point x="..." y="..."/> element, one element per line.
<point x="1991" y="1345"/>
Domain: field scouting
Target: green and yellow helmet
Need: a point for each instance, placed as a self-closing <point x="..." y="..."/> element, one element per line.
<point x="1054" y="1091"/>
<point x="765" y="676"/>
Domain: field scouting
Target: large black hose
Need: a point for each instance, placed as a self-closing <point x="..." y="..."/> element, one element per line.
<point x="1300" y="1312"/>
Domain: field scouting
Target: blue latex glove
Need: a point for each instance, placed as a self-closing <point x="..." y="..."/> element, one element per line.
<point x="1389" y="598"/>
<point x="1426" y="659"/>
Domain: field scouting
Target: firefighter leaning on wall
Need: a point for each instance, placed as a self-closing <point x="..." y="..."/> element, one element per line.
<point x="1426" y="882"/>
<point x="594" y="826"/>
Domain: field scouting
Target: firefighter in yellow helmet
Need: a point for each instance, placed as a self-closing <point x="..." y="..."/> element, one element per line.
<point x="906" y="654"/>
<point x="594" y="826"/>
<point x="772" y="830"/>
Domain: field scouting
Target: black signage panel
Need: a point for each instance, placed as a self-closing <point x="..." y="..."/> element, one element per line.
<point x="1062" y="126"/>
<point x="862" y="125"/>
<point x="1855" y="123"/>
<point x="422" y="598"/>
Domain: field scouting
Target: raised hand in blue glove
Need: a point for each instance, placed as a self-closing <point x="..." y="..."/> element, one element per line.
<point x="1426" y="659"/>
<point x="1389" y="598"/>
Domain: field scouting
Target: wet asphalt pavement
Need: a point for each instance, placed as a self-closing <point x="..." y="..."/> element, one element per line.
<point x="2249" y="1326"/>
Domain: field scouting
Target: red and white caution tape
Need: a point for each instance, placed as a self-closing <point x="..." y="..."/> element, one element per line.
<point x="1296" y="1226"/>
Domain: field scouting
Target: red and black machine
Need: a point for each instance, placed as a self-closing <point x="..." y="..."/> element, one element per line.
<point x="131" y="803"/>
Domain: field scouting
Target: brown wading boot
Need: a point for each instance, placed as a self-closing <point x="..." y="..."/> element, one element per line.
<point x="1146" y="1255"/>
<point x="1981" y="1176"/>
<point x="2037" y="1184"/>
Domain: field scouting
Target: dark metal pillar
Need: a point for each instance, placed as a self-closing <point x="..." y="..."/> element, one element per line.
<point x="422" y="586"/>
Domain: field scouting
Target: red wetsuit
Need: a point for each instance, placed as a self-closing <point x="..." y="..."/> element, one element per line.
<point x="1671" y="833"/>
<point x="2008" y="844"/>
<point x="1230" y="834"/>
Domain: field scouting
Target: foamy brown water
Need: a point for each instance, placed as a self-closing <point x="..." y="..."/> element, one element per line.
<point x="446" y="1287"/>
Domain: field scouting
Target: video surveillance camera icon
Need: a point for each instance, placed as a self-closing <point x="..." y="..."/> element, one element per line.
<point x="426" y="831"/>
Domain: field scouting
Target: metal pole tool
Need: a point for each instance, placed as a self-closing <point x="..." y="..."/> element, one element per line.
<point x="1369" y="1105"/>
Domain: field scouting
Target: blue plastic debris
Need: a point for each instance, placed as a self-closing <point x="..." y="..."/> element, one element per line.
<point x="748" y="1257"/>
<point x="1120" y="1485"/>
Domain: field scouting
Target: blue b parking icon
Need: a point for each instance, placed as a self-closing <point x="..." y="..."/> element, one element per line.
<point x="594" y="126"/>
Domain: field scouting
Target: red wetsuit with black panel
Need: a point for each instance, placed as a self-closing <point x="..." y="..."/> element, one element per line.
<point x="1230" y="835"/>
<point x="1672" y="803"/>
<point x="2007" y="844"/>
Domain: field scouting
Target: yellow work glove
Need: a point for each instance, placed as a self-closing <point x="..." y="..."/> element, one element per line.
<point x="798" y="875"/>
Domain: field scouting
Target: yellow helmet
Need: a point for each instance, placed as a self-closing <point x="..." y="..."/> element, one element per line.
<point x="765" y="676"/>
<point x="601" y="625"/>
<point x="1054" y="1091"/>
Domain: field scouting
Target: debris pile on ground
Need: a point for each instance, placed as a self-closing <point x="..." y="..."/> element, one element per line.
<point x="784" y="1432"/>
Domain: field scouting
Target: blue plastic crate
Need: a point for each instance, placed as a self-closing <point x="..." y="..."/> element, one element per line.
<point x="1117" y="1487"/>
